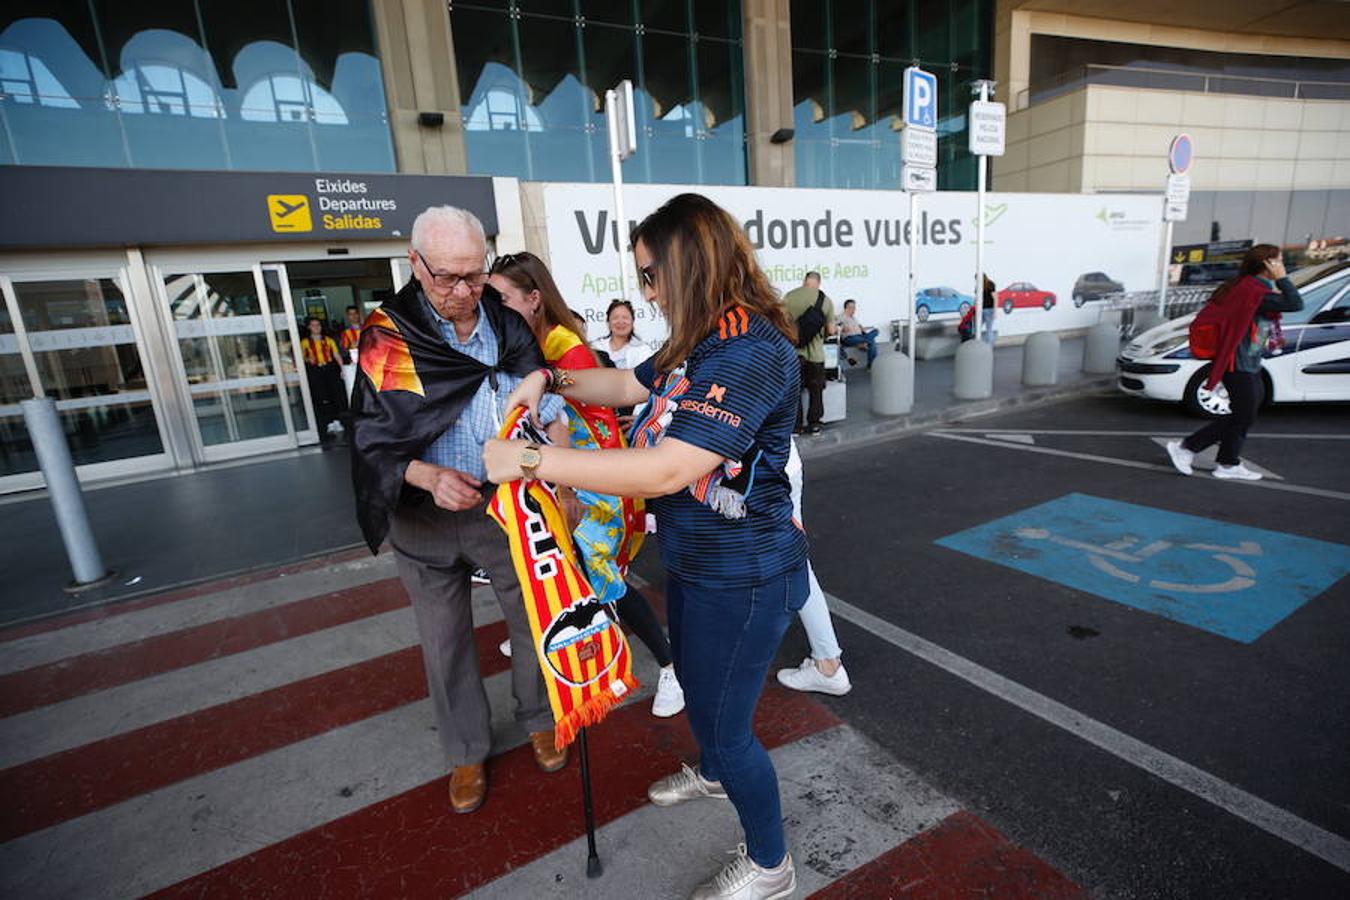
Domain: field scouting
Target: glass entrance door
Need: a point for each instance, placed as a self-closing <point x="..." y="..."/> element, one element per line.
<point x="235" y="337"/>
<point x="73" y="336"/>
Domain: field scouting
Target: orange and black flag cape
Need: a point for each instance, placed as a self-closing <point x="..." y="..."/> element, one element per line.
<point x="411" y="387"/>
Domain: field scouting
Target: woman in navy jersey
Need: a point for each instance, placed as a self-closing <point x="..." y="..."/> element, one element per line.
<point x="710" y="450"/>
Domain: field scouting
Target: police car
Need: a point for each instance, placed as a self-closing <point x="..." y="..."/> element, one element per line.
<point x="1313" y="366"/>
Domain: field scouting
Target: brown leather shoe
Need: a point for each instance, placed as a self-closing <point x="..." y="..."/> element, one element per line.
<point x="548" y="757"/>
<point x="468" y="787"/>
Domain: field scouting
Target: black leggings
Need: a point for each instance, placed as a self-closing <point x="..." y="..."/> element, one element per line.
<point x="635" y="612"/>
<point x="1245" y="392"/>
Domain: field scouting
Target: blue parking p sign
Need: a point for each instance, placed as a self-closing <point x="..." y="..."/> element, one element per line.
<point x="920" y="99"/>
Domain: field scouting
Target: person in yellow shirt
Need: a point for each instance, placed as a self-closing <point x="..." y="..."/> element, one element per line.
<point x="323" y="361"/>
<point x="351" y="334"/>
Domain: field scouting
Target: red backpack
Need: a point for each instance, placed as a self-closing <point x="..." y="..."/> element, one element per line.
<point x="1206" y="327"/>
<point x="1204" y="333"/>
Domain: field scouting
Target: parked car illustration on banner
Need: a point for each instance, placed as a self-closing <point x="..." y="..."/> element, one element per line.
<point x="1313" y="365"/>
<point x="1024" y="295"/>
<point x="937" y="300"/>
<point x="1094" y="286"/>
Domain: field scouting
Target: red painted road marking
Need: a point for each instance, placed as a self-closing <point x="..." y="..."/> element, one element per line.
<point x="961" y="856"/>
<point x="117" y="608"/>
<point x="102" y="669"/>
<point x="413" y="845"/>
<point x="78" y="781"/>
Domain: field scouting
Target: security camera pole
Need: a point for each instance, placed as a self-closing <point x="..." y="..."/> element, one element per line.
<point x="622" y="122"/>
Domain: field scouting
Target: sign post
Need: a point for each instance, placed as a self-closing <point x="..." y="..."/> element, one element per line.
<point x="1180" y="155"/>
<point x="985" y="127"/>
<point x="622" y="122"/>
<point x="918" y="173"/>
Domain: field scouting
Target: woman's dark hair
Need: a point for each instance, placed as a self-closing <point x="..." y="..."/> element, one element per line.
<point x="1253" y="263"/>
<point x="704" y="265"/>
<point x="528" y="272"/>
<point x="615" y="304"/>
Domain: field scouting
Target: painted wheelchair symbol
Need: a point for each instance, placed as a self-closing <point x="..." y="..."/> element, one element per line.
<point x="1101" y="556"/>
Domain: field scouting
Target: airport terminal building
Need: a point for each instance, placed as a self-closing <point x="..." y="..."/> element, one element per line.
<point x="185" y="180"/>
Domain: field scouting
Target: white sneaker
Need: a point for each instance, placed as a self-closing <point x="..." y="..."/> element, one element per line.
<point x="686" y="784"/>
<point x="669" y="695"/>
<point x="480" y="576"/>
<point x="505" y="647"/>
<point x="1181" y="457"/>
<point x="743" y="879"/>
<point x="807" y="677"/>
<point x="1237" y="473"/>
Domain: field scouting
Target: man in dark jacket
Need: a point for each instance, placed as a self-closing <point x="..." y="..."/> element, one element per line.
<point x="437" y="362"/>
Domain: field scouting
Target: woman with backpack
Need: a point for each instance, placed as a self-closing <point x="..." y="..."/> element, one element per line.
<point x="1238" y="324"/>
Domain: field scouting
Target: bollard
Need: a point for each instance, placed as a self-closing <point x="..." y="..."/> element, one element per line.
<point x="974" y="371"/>
<point x="1040" y="359"/>
<point x="892" y="384"/>
<point x="53" y="454"/>
<point x="1100" y="349"/>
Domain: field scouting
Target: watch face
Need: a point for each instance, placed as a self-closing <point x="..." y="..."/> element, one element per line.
<point x="530" y="458"/>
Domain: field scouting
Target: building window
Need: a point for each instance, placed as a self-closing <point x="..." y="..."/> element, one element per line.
<point x="25" y="79"/>
<point x="160" y="89"/>
<point x="1063" y="64"/>
<point x="848" y="62"/>
<point x="290" y="85"/>
<point x="533" y="76"/>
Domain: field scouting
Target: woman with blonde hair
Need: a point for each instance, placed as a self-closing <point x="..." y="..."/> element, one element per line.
<point x="711" y="450"/>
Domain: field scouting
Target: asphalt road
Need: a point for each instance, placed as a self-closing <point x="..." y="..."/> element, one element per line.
<point x="1268" y="714"/>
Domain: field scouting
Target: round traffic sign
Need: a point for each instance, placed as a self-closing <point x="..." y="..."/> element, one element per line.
<point x="1181" y="154"/>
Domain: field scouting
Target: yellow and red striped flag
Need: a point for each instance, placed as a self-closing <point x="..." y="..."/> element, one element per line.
<point x="585" y="658"/>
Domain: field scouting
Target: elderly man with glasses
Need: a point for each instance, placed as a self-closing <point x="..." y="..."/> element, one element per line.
<point x="437" y="363"/>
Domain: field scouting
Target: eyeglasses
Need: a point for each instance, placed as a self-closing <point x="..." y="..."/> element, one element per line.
<point x="449" y="281"/>
<point x="648" y="275"/>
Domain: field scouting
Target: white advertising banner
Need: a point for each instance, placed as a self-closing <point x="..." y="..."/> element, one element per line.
<point x="1051" y="256"/>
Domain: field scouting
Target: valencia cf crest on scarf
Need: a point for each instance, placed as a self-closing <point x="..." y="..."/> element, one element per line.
<point x="583" y="654"/>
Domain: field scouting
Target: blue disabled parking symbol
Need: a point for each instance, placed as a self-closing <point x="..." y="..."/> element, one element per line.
<point x="1231" y="580"/>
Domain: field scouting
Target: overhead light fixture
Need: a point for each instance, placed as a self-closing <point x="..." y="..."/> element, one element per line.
<point x="781" y="136"/>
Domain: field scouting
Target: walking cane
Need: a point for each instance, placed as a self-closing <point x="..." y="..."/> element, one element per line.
<point x="593" y="867"/>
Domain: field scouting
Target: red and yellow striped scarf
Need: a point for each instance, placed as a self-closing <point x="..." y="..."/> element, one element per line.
<point x="587" y="665"/>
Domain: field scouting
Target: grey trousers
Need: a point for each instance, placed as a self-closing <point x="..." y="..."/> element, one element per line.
<point x="436" y="551"/>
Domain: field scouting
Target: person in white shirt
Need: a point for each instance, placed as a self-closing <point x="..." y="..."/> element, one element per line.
<point x="853" y="334"/>
<point x="624" y="347"/>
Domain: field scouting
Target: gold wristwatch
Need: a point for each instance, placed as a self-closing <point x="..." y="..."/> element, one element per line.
<point x="530" y="458"/>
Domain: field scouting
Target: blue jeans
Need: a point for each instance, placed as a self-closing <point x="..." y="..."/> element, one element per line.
<point x="868" y="337"/>
<point x="723" y="640"/>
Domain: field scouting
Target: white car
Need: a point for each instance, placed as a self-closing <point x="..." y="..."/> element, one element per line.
<point x="1313" y="366"/>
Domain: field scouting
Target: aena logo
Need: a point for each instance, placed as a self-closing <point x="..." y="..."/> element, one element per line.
<point x="992" y="213"/>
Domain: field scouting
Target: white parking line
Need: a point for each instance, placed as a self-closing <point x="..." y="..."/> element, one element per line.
<point x="1102" y="433"/>
<point x="1266" y="816"/>
<point x="1128" y="463"/>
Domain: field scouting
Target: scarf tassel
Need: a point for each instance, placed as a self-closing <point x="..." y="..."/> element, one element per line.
<point x="592" y="712"/>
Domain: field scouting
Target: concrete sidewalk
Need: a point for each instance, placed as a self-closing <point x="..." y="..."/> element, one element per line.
<point x="173" y="530"/>
<point x="272" y="737"/>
